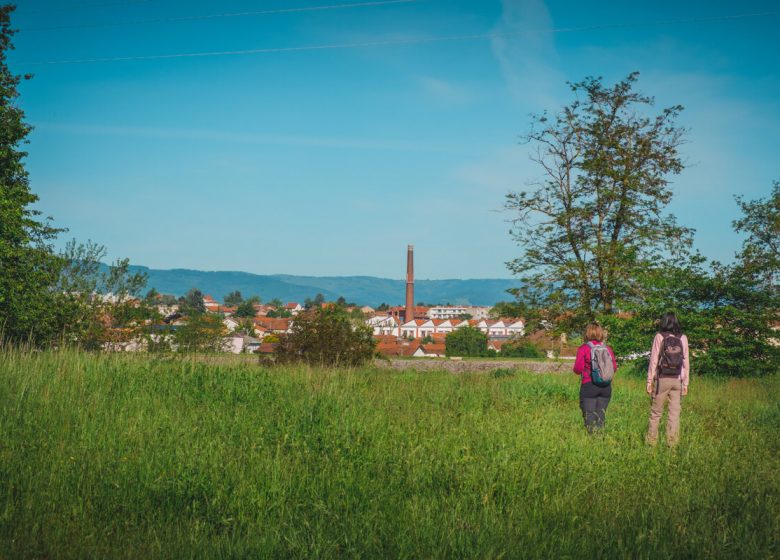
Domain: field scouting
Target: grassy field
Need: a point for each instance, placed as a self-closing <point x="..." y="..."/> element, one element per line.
<point x="127" y="456"/>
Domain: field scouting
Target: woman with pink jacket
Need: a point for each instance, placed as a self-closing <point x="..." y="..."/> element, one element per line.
<point x="594" y="396"/>
<point x="667" y="378"/>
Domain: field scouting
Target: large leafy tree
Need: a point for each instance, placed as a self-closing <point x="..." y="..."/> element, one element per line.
<point x="29" y="267"/>
<point x="597" y="216"/>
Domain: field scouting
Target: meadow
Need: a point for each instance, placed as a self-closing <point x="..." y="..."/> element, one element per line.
<point x="127" y="456"/>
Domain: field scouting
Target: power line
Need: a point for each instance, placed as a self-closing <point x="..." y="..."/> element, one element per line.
<point x="73" y="7"/>
<point x="409" y="41"/>
<point x="223" y="15"/>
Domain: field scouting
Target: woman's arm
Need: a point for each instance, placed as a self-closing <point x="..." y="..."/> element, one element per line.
<point x="656" y="349"/>
<point x="579" y="362"/>
<point x="686" y="368"/>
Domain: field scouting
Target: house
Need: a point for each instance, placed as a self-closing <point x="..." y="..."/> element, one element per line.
<point x="384" y="325"/>
<point x="496" y="344"/>
<point x="210" y="303"/>
<point x="412" y="329"/>
<point x="293" y="307"/>
<point x="434" y="350"/>
<point x="280" y="325"/>
<point x="238" y="343"/>
<point x="266" y="348"/>
<point x="447" y="311"/>
<point x="230" y="323"/>
<point x="398" y="347"/>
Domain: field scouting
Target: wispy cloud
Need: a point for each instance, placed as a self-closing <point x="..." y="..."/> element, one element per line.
<point x="526" y="53"/>
<point x="445" y="92"/>
<point x="188" y="134"/>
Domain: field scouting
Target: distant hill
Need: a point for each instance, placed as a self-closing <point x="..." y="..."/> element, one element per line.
<point x="363" y="290"/>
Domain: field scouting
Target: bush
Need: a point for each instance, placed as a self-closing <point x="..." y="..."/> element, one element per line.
<point x="521" y="349"/>
<point x="468" y="341"/>
<point x="326" y="337"/>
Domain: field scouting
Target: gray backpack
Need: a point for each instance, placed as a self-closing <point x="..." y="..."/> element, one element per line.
<point x="601" y="368"/>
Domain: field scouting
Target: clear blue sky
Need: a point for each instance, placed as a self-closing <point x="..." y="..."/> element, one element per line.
<point x="330" y="161"/>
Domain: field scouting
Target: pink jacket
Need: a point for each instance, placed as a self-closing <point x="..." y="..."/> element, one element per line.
<point x="582" y="362"/>
<point x="654" y="355"/>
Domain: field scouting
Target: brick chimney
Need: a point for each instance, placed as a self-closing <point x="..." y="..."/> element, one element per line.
<point x="409" y="315"/>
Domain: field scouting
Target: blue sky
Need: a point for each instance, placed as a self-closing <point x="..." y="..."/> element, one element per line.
<point x="330" y="161"/>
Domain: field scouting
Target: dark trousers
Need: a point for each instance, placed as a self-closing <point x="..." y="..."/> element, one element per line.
<point x="593" y="403"/>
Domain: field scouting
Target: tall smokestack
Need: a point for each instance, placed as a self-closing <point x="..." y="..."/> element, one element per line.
<point x="409" y="283"/>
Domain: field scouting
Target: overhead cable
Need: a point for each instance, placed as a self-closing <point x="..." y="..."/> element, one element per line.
<point x="222" y="15"/>
<point x="408" y="41"/>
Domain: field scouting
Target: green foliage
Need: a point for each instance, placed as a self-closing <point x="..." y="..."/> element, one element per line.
<point x="245" y="309"/>
<point x="726" y="313"/>
<point x="596" y="219"/>
<point x="761" y="222"/>
<point x="29" y="267"/>
<point x="508" y="309"/>
<point x="117" y="456"/>
<point x="233" y="299"/>
<point x="202" y="333"/>
<point x="100" y="306"/>
<point x="466" y="342"/>
<point x="192" y="303"/>
<point x="521" y="349"/>
<point x="318" y="300"/>
<point x="327" y="337"/>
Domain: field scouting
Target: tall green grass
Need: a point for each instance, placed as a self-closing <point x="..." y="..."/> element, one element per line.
<point x="127" y="456"/>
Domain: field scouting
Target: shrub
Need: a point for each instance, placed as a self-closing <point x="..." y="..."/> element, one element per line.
<point x="521" y="349"/>
<point x="468" y="341"/>
<point x="326" y="337"/>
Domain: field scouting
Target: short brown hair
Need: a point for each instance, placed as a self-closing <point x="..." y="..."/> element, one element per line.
<point x="594" y="331"/>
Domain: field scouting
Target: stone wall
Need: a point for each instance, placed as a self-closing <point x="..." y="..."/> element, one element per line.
<point x="460" y="366"/>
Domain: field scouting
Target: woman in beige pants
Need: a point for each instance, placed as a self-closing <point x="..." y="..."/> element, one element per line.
<point x="667" y="378"/>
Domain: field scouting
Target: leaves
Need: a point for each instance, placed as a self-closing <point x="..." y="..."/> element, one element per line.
<point x="596" y="217"/>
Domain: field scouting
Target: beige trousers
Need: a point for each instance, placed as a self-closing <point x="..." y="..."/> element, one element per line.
<point x="666" y="388"/>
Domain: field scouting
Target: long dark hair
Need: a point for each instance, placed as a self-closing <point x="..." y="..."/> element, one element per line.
<point x="669" y="323"/>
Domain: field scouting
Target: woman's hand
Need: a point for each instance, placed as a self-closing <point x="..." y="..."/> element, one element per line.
<point x="684" y="391"/>
<point x="650" y="388"/>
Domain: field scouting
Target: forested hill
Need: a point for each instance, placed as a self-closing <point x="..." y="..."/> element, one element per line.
<point x="363" y="290"/>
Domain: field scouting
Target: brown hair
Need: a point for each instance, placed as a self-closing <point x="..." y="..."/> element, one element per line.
<point x="594" y="331"/>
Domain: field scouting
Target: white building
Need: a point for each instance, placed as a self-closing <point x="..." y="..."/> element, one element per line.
<point x="384" y="325"/>
<point x="455" y="311"/>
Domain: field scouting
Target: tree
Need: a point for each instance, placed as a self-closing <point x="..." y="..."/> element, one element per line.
<point x="727" y="311"/>
<point x="466" y="341"/>
<point x="761" y="223"/>
<point x="29" y="266"/>
<point x="192" y="303"/>
<point x="201" y="333"/>
<point x="245" y="309"/>
<point x="326" y="337"/>
<point x="597" y="219"/>
<point x="100" y="306"/>
<point x="233" y="299"/>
